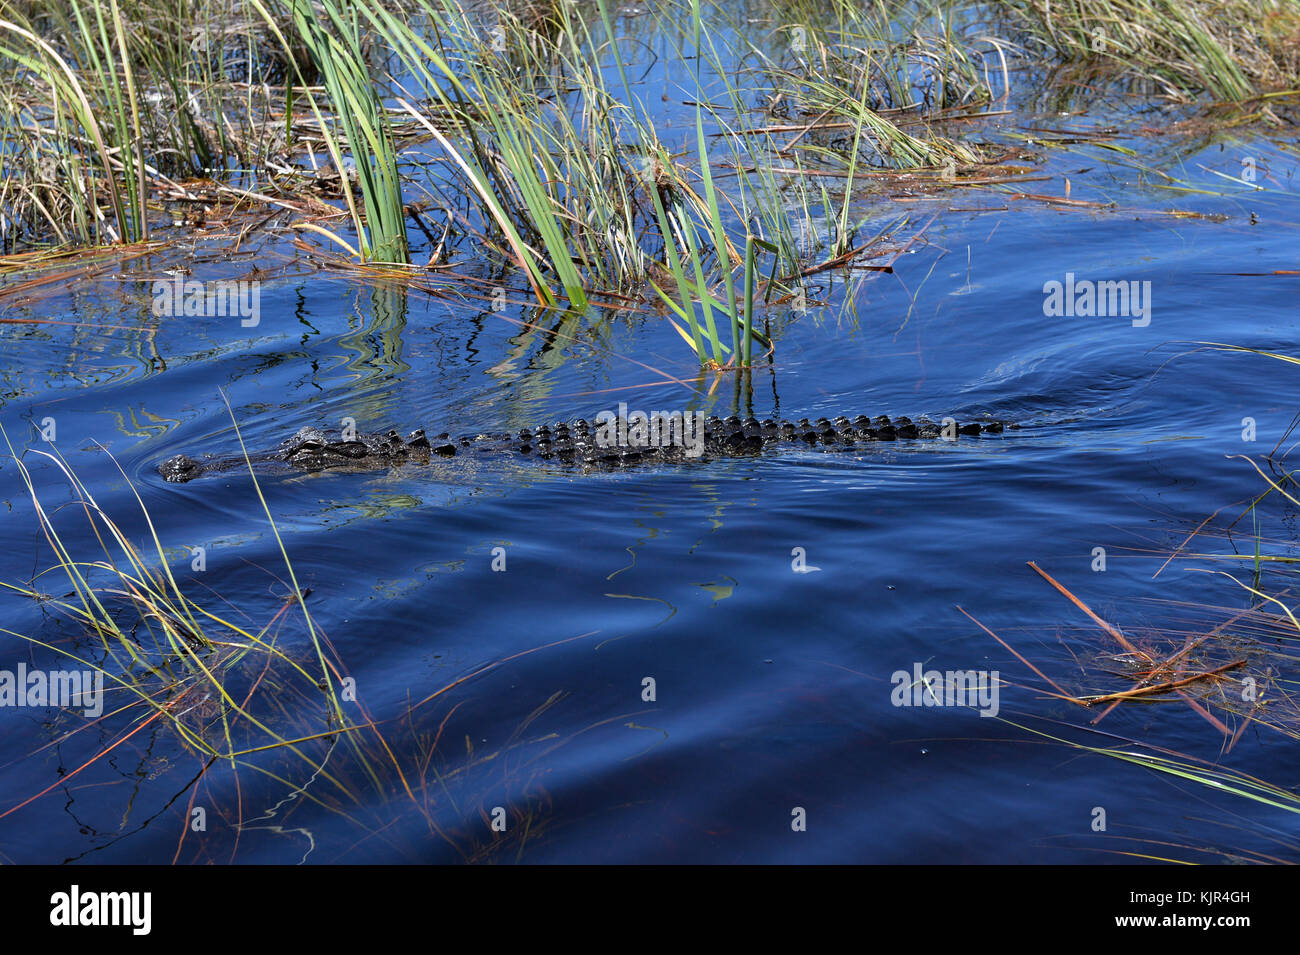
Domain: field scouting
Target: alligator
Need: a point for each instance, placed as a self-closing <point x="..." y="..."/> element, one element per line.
<point x="603" y="443"/>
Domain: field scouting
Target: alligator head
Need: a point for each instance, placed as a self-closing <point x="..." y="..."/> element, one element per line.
<point x="312" y="449"/>
<point x="179" y="468"/>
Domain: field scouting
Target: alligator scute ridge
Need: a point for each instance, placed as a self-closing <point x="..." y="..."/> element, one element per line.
<point x="574" y="442"/>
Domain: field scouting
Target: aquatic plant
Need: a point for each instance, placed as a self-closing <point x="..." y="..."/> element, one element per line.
<point x="274" y="699"/>
<point x="364" y="132"/>
<point x="160" y="647"/>
<point x="1232" y="49"/>
<point x="108" y="102"/>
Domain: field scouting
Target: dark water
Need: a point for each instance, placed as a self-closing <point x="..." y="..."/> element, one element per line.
<point x="772" y="687"/>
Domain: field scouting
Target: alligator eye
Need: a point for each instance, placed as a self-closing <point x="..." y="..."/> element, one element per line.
<point x="311" y="445"/>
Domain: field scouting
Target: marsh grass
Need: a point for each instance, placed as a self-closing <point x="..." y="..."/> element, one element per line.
<point x="1227" y="669"/>
<point x="107" y="100"/>
<point x="270" y="700"/>
<point x="850" y="69"/>
<point x="555" y="160"/>
<point x="333" y="39"/>
<point x="1232" y="666"/>
<point x="58" y="179"/>
<point x="225" y="691"/>
<point x="157" y="647"/>
<point x="526" y="133"/>
<point x="1272" y="842"/>
<point x="574" y="178"/>
<point x="1232" y="49"/>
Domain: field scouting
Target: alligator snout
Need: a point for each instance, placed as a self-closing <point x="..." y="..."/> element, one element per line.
<point x="179" y="468"/>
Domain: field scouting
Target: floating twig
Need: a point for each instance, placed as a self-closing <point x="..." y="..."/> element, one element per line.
<point x="1159" y="687"/>
<point x="1119" y="637"/>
